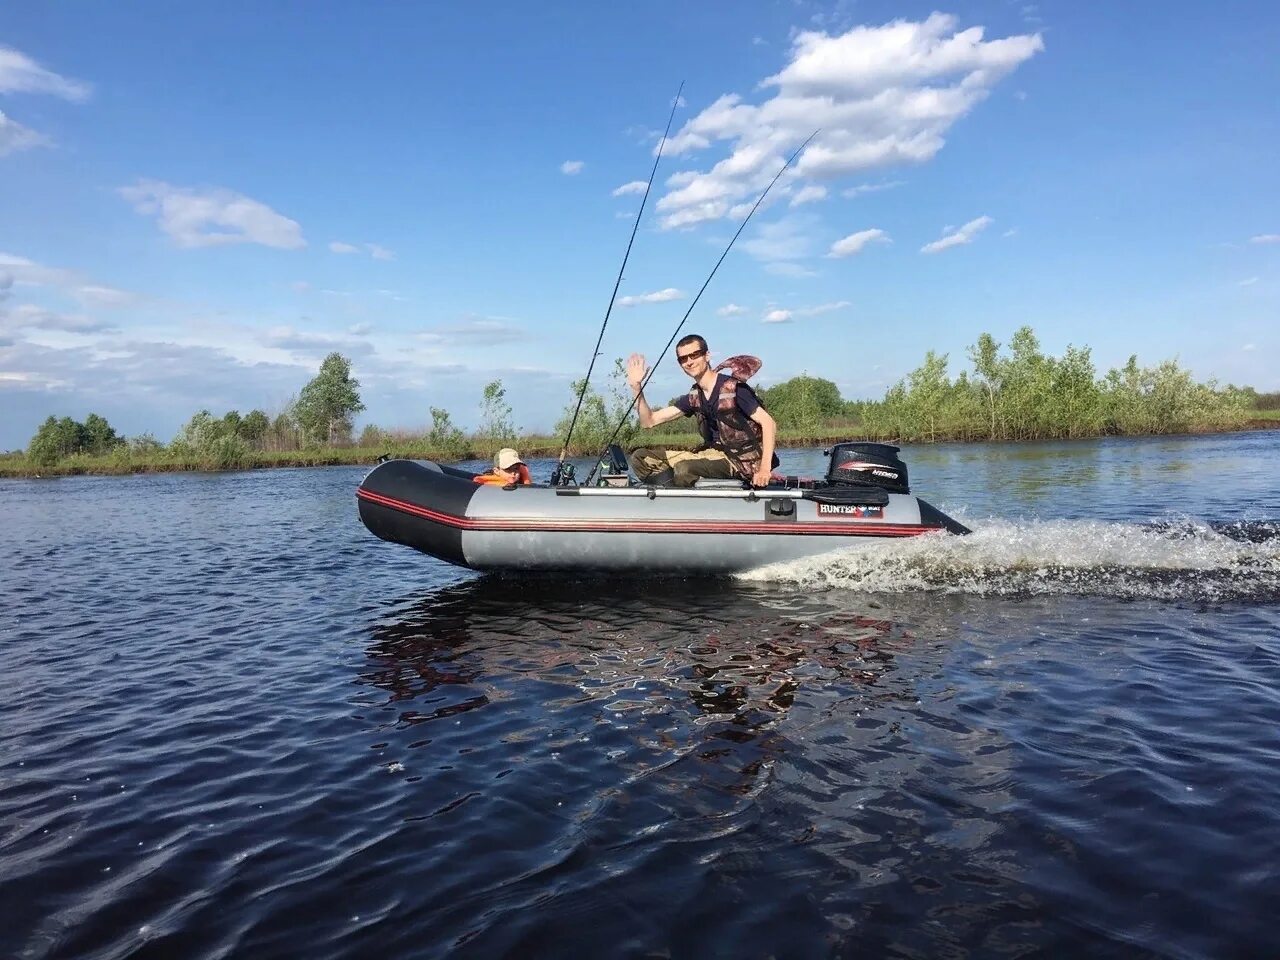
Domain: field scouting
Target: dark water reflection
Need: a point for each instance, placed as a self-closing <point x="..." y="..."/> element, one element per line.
<point x="236" y="725"/>
<point x="764" y="774"/>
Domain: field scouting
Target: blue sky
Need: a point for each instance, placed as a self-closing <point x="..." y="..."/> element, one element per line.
<point x="197" y="203"/>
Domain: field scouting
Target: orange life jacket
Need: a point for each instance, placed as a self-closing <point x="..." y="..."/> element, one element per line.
<point x="522" y="477"/>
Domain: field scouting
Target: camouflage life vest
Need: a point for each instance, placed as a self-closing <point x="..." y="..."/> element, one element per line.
<point x="739" y="435"/>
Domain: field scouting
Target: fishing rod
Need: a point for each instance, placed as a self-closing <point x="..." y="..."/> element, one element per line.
<point x="557" y="473"/>
<point x="680" y="326"/>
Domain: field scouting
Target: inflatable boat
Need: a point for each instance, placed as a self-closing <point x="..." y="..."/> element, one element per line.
<point x="715" y="527"/>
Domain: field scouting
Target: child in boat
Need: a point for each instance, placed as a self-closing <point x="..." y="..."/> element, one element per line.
<point x="508" y="469"/>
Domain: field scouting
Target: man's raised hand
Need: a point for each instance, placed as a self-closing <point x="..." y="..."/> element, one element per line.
<point x="636" y="371"/>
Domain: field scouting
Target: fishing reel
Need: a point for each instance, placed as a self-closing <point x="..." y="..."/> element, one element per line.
<point x="563" y="476"/>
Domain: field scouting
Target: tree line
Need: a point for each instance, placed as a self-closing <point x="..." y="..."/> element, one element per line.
<point x="1018" y="393"/>
<point x="1022" y="394"/>
<point x="321" y="414"/>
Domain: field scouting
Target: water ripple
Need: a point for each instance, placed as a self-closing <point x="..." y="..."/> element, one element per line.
<point x="241" y="727"/>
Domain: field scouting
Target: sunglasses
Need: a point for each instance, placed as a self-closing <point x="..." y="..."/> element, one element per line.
<point x="686" y="357"/>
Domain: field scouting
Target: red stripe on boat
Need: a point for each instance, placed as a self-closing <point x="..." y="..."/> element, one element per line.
<point x="605" y="525"/>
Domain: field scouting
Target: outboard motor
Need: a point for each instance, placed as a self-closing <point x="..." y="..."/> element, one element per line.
<point x="867" y="464"/>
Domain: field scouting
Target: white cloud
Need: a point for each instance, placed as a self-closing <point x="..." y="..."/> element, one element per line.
<point x="808" y="194"/>
<point x="1248" y="282"/>
<point x="101" y="296"/>
<point x="865" y="188"/>
<point x="14" y="136"/>
<point x="635" y="186"/>
<point x="961" y="236"/>
<point x="855" y="242"/>
<point x="822" y="308"/>
<point x="730" y="310"/>
<point x="658" y="296"/>
<point x="789" y="268"/>
<point x="28" y="273"/>
<point x="474" y="331"/>
<point x="571" y="167"/>
<point x="154" y="384"/>
<point x="20" y="74"/>
<point x="1266" y="238"/>
<point x="29" y="317"/>
<point x="1011" y="232"/>
<point x="1247" y="347"/>
<point x="313" y="344"/>
<point x="880" y="95"/>
<point x="376" y="251"/>
<point x="783" y="240"/>
<point x="360" y="329"/>
<point x="190" y="216"/>
<point x="777" y="316"/>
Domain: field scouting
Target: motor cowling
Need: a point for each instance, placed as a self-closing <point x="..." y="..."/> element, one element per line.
<point x="868" y="464"/>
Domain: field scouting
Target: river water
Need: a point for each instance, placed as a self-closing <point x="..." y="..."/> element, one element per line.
<point x="235" y="724"/>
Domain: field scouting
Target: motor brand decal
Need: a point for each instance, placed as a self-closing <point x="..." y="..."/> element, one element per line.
<point x="875" y="469"/>
<point x="847" y="511"/>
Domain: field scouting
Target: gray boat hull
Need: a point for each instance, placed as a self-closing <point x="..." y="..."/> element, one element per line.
<point x="722" y="530"/>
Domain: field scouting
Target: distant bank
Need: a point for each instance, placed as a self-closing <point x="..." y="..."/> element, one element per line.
<point x="124" y="461"/>
<point x="1018" y="394"/>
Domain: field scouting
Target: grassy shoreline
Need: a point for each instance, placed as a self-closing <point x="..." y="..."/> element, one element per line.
<point x="122" y="462"/>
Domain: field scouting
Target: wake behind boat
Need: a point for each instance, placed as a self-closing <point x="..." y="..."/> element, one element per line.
<point x="715" y="527"/>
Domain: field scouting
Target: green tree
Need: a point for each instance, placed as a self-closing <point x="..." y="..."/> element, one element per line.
<point x="45" y="448"/>
<point x="1123" y="392"/>
<point x="210" y="441"/>
<point x="329" y="401"/>
<point x="99" y="436"/>
<point x="1026" y="381"/>
<point x="254" y="427"/>
<point x="600" y="415"/>
<point x="1077" y="396"/>
<point x="284" y="433"/>
<point x="443" y="437"/>
<point x="927" y="393"/>
<point x="199" y="434"/>
<point x="803" y="402"/>
<point x="232" y="421"/>
<point x="495" y="413"/>
<point x="985" y="356"/>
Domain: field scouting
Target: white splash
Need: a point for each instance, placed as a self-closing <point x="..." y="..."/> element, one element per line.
<point x="1183" y="559"/>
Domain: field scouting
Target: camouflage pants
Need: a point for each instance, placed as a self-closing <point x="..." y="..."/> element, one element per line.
<point x="686" y="467"/>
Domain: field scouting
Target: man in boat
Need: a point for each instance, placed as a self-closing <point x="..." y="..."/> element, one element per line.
<point x="738" y="434"/>
<point x="508" y="470"/>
